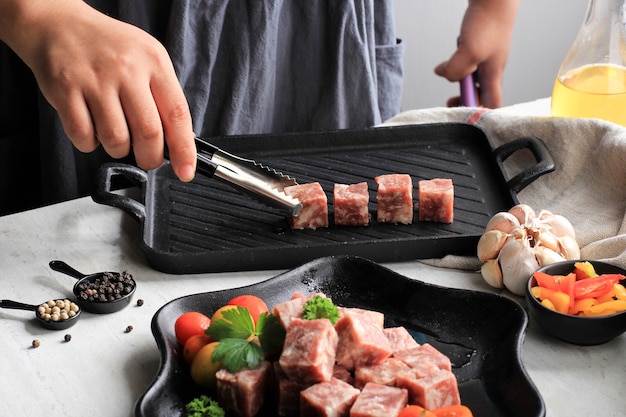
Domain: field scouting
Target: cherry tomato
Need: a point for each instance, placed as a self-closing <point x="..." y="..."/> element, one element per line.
<point x="453" y="411"/>
<point x="415" y="411"/>
<point x="254" y="304"/>
<point x="204" y="368"/>
<point x="219" y="313"/>
<point x="193" y="346"/>
<point x="190" y="323"/>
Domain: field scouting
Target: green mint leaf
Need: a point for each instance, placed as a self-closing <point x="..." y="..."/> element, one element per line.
<point x="236" y="354"/>
<point x="236" y="323"/>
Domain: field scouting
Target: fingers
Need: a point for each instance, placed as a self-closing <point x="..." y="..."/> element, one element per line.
<point x="176" y="118"/>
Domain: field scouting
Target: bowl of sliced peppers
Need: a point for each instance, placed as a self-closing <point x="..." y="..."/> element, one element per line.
<point x="580" y="302"/>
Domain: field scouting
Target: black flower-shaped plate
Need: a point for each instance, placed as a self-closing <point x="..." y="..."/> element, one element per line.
<point x="481" y="333"/>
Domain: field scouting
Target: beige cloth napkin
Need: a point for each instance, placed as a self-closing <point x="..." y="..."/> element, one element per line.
<point x="588" y="186"/>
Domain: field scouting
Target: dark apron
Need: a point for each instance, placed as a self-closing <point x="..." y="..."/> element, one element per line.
<point x="246" y="66"/>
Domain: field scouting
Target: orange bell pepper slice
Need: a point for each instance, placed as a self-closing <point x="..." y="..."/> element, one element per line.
<point x="605" y="309"/>
<point x="581" y="305"/>
<point x="584" y="270"/>
<point x="559" y="299"/>
<point x="620" y="291"/>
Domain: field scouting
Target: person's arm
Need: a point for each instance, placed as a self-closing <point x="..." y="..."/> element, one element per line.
<point x="484" y="44"/>
<point x="111" y="82"/>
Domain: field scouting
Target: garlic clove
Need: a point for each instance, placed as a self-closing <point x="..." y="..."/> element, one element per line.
<point x="489" y="244"/>
<point x="546" y="256"/>
<point x="547" y="239"/>
<point x="492" y="274"/>
<point x="524" y="214"/>
<point x="517" y="262"/>
<point x="568" y="246"/>
<point x="503" y="221"/>
<point x="559" y="225"/>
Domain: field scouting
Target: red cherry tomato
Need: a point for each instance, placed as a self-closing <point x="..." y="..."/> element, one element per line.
<point x="189" y="324"/>
<point x="254" y="304"/>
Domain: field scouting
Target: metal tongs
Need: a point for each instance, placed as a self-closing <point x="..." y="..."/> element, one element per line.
<point x="259" y="181"/>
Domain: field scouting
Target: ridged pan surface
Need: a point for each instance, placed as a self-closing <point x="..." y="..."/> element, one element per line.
<point x="207" y="225"/>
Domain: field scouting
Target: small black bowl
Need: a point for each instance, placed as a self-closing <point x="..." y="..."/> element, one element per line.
<point x="576" y="329"/>
<point x="86" y="280"/>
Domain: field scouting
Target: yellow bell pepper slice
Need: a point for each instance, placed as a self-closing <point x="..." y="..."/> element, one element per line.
<point x="604" y="309"/>
<point x="559" y="299"/>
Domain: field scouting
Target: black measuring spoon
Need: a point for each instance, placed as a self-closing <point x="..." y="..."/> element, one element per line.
<point x="48" y="324"/>
<point x="97" y="280"/>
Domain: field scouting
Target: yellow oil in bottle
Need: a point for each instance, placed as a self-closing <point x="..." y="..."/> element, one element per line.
<point x="597" y="91"/>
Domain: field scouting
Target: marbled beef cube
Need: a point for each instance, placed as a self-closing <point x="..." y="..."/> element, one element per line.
<point x="242" y="393"/>
<point x="433" y="391"/>
<point x="288" y="395"/>
<point x="425" y="353"/>
<point x="378" y="400"/>
<point x="350" y="204"/>
<point x="435" y="200"/>
<point x="328" y="399"/>
<point x="395" y="198"/>
<point x="361" y="339"/>
<point x="384" y="373"/>
<point x="288" y="310"/>
<point x="309" y="351"/>
<point x="314" y="213"/>
<point x="400" y="338"/>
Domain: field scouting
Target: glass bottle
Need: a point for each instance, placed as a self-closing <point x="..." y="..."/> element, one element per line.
<point x="592" y="79"/>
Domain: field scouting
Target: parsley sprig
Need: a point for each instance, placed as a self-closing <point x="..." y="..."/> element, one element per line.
<point x="242" y="344"/>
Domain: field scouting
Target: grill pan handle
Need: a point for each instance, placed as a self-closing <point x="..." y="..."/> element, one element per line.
<point x="544" y="162"/>
<point x="106" y="179"/>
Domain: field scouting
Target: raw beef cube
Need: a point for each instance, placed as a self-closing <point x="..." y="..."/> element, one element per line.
<point x="400" y="338"/>
<point x="243" y="392"/>
<point x="288" y="392"/>
<point x="435" y="200"/>
<point x="395" y="198"/>
<point x="379" y="401"/>
<point x="384" y="373"/>
<point x="343" y="374"/>
<point x="309" y="351"/>
<point x="288" y="310"/>
<point x="328" y="399"/>
<point x="375" y="317"/>
<point x="425" y="353"/>
<point x="314" y="202"/>
<point x="350" y="204"/>
<point x="361" y="340"/>
<point x="433" y="391"/>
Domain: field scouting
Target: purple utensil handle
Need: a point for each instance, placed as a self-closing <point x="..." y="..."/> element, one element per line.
<point x="469" y="93"/>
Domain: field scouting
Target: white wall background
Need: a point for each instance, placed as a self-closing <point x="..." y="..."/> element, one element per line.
<point x="543" y="33"/>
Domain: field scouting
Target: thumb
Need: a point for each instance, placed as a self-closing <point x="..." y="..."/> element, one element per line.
<point x="458" y="66"/>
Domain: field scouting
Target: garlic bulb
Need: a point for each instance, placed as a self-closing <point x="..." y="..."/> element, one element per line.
<point x="516" y="243"/>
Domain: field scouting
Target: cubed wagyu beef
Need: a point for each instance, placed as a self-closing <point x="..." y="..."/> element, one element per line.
<point x="361" y="339"/>
<point x="395" y="198"/>
<point x="350" y="204"/>
<point x="314" y="213"/>
<point x="242" y="393"/>
<point x="328" y="399"/>
<point x="309" y="351"/>
<point x="378" y="400"/>
<point x="435" y="200"/>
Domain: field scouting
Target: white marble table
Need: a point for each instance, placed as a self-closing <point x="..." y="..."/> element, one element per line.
<point x="103" y="370"/>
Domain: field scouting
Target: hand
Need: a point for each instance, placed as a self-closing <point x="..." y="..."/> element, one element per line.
<point x="111" y="83"/>
<point x="483" y="46"/>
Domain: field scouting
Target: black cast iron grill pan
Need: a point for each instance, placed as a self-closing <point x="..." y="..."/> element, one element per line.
<point x="208" y="226"/>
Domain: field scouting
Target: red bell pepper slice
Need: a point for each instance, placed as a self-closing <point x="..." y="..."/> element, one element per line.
<point x="597" y="286"/>
<point x="546" y="280"/>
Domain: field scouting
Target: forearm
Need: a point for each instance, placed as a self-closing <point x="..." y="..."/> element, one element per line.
<point x="24" y="23"/>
